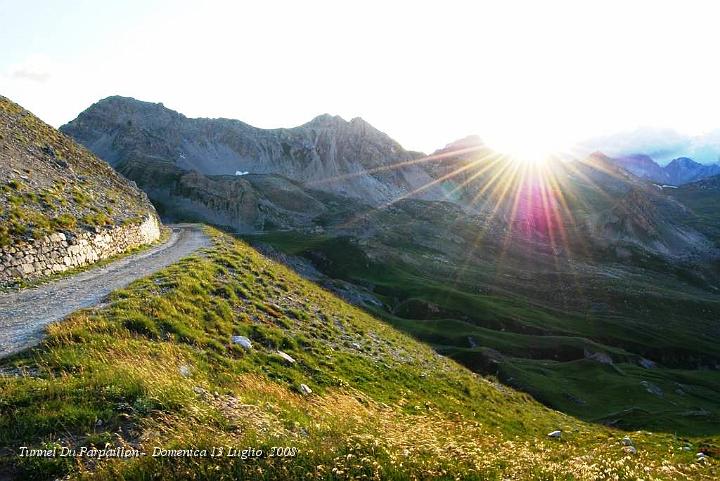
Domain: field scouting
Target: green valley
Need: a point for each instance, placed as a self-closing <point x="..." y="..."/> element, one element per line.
<point x="555" y="328"/>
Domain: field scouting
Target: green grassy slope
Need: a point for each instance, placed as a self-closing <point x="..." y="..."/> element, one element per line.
<point x="155" y="367"/>
<point x="534" y="320"/>
<point x="701" y="198"/>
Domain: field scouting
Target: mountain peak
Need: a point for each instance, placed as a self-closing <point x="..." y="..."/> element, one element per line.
<point x="643" y="166"/>
<point x="684" y="162"/>
<point x="334" y="121"/>
<point x="129" y="103"/>
<point x="680" y="170"/>
<point x="469" y="141"/>
<point x="359" y="121"/>
<point x="326" y="120"/>
<point x="128" y="111"/>
<point x="599" y="156"/>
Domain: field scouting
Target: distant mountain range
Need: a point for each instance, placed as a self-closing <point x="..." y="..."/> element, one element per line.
<point x="681" y="170"/>
<point x="662" y="144"/>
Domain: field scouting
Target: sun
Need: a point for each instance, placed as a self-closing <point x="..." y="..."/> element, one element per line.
<point x="530" y="147"/>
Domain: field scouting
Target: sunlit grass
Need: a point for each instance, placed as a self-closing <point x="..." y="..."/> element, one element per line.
<point x="155" y="367"/>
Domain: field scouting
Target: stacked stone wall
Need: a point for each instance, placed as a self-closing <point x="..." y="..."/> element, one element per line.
<point x="59" y="252"/>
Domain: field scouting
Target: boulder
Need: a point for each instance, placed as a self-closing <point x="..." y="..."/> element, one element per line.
<point x="652" y="388"/>
<point x="647" y="363"/>
<point x="27" y="268"/>
<point x="286" y="357"/>
<point x="243" y="341"/>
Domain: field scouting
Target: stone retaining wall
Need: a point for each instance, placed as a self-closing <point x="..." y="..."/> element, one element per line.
<point x="59" y="252"/>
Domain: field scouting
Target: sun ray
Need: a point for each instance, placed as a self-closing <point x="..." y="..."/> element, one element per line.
<point x="498" y="158"/>
<point x="488" y="221"/>
<point x="439" y="180"/>
<point x="538" y="203"/>
<point x="397" y="165"/>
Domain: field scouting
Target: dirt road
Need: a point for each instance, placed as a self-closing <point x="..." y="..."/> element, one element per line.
<point x="25" y="313"/>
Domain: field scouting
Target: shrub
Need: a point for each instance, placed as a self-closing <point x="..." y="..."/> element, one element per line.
<point x="64" y="221"/>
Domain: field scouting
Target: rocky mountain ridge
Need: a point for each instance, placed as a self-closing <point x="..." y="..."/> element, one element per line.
<point x="329" y="173"/>
<point x="239" y="203"/>
<point x="350" y="158"/>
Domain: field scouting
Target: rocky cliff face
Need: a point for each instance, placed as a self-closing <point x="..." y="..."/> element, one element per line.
<point x="350" y="158"/>
<point x="247" y="203"/>
<point x="51" y="187"/>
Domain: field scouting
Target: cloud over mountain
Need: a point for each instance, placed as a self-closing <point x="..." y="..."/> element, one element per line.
<point x="662" y="144"/>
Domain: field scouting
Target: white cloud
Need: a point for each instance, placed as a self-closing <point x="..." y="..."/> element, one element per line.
<point x="35" y="68"/>
<point x="663" y="145"/>
<point x="30" y="74"/>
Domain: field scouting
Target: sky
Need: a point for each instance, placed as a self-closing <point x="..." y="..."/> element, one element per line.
<point x="528" y="77"/>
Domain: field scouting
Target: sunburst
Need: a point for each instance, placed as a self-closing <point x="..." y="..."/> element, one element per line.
<point x="527" y="193"/>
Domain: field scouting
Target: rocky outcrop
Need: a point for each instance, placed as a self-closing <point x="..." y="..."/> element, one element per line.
<point x="652" y="223"/>
<point x="59" y="251"/>
<point x="350" y="158"/>
<point x="241" y="203"/>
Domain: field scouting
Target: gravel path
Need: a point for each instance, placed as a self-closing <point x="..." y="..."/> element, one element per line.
<point x="25" y="313"/>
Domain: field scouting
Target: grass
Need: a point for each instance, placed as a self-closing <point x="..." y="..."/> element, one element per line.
<point x="96" y="219"/>
<point x="155" y="367"/>
<point x="487" y="317"/>
<point x="21" y="221"/>
<point x="701" y="198"/>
